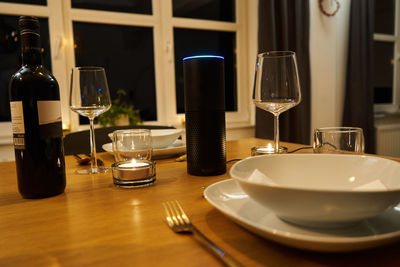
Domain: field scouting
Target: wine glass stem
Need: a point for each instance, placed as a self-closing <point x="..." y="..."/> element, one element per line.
<point x="276" y="133"/>
<point x="92" y="146"/>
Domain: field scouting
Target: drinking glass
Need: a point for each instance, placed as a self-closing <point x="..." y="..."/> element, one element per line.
<point x="132" y="144"/>
<point x="277" y="86"/>
<point x="90" y="97"/>
<point x="338" y="140"/>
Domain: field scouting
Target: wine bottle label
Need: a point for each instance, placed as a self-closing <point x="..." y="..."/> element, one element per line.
<point x="17" y="123"/>
<point x="49" y="116"/>
<point x="49" y="111"/>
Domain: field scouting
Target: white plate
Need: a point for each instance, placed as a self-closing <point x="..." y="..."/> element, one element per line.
<point x="176" y="148"/>
<point x="228" y="197"/>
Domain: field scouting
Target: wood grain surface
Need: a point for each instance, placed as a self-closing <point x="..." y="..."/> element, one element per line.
<point x="95" y="223"/>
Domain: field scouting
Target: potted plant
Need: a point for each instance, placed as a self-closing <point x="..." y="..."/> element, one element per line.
<point x="120" y="113"/>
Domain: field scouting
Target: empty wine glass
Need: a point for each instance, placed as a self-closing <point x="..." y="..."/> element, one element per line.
<point x="277" y="87"/>
<point x="90" y="97"/>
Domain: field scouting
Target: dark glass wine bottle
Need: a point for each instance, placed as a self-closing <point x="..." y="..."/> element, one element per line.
<point x="36" y="120"/>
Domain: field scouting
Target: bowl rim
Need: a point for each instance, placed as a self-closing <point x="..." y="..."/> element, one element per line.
<point x="168" y="131"/>
<point x="314" y="190"/>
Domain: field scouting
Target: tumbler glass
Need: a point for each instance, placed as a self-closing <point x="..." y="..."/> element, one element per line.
<point x="338" y="140"/>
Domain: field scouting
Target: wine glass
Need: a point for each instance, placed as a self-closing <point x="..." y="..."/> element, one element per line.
<point x="277" y="87"/>
<point x="90" y="97"/>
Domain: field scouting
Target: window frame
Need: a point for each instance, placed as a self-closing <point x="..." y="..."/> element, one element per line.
<point x="395" y="39"/>
<point x="61" y="17"/>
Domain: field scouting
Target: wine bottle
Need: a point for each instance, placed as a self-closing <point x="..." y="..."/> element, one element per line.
<point x="36" y="120"/>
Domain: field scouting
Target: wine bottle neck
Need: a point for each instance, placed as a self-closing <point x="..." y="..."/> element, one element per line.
<point x="31" y="54"/>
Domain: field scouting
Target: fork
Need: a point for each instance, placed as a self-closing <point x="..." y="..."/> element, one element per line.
<point x="179" y="222"/>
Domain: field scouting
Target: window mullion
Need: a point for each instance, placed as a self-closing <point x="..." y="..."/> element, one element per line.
<point x="204" y="24"/>
<point x="58" y="56"/>
<point x="242" y="95"/>
<point x="168" y="98"/>
<point x="111" y="17"/>
<point x="70" y="58"/>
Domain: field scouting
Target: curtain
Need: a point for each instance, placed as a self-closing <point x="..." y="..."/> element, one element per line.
<point x="358" y="104"/>
<point x="284" y="25"/>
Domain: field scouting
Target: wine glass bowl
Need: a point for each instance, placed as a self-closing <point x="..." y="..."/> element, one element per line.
<point x="277" y="86"/>
<point x="90" y="97"/>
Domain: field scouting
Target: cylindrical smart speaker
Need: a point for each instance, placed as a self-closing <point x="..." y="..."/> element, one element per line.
<point x="205" y="114"/>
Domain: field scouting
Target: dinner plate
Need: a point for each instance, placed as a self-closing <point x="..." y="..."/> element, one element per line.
<point x="176" y="148"/>
<point x="228" y="197"/>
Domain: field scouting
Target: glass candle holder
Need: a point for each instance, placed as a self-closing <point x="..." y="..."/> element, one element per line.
<point x="134" y="173"/>
<point x="132" y="152"/>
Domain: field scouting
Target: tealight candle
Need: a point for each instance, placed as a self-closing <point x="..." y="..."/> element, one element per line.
<point x="134" y="173"/>
<point x="134" y="164"/>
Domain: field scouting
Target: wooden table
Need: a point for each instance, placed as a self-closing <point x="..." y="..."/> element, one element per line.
<point x="96" y="224"/>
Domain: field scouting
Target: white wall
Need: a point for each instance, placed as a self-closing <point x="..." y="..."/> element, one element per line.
<point x="328" y="58"/>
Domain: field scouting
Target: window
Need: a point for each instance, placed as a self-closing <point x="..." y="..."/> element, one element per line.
<point x="386" y="50"/>
<point x="127" y="55"/>
<point x="10" y="56"/>
<point x="141" y="44"/>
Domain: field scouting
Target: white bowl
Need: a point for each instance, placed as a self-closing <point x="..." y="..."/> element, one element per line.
<point x="161" y="138"/>
<point x="320" y="190"/>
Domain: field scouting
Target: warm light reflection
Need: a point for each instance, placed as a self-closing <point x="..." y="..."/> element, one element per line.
<point x="236" y="196"/>
<point x="135" y="202"/>
<point x="352" y="179"/>
<point x="269" y="149"/>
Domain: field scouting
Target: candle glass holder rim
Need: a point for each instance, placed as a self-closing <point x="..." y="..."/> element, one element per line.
<point x="340" y="129"/>
<point x="89" y="68"/>
<point x="277" y="54"/>
<point x="132" y="131"/>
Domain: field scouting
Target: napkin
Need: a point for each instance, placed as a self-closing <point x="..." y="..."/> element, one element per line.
<point x="371" y="186"/>
<point x="260" y="178"/>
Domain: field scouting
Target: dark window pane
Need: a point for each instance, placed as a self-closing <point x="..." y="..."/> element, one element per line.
<point x="383" y="72"/>
<point x="223" y="10"/>
<point x="199" y="42"/>
<point x="10" y="56"/>
<point x="384" y="16"/>
<point x="129" y="6"/>
<point x="126" y="53"/>
<point x="32" y="2"/>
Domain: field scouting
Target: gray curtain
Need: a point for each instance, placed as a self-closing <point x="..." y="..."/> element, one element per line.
<point x="358" y="104"/>
<point x="284" y="25"/>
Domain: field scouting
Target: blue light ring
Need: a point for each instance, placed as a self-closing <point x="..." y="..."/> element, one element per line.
<point x="202" y="56"/>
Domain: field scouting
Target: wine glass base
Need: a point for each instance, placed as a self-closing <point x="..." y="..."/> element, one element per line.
<point x="264" y="150"/>
<point x="93" y="170"/>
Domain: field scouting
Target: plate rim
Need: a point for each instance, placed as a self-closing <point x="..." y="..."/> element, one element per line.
<point x="325" y="243"/>
<point x="183" y="144"/>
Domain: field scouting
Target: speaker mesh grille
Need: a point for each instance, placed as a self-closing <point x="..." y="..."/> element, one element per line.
<point x="205" y="142"/>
